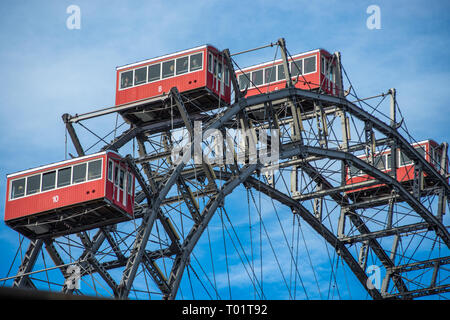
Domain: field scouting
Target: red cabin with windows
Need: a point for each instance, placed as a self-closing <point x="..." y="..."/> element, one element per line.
<point x="70" y="196"/>
<point x="200" y="74"/>
<point x="429" y="149"/>
<point x="309" y="70"/>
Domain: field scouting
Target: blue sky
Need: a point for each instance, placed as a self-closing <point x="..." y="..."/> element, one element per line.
<point x="48" y="70"/>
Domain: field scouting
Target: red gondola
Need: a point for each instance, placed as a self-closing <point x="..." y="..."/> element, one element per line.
<point x="70" y="196"/>
<point x="200" y="74"/>
<point x="309" y="70"/>
<point x="429" y="149"/>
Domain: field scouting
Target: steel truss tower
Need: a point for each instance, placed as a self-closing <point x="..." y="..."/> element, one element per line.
<point x="184" y="205"/>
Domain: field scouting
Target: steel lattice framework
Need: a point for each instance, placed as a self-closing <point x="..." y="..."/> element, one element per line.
<point x="399" y="228"/>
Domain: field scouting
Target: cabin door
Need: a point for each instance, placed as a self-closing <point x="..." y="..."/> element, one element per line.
<point x="218" y="83"/>
<point x="119" y="193"/>
<point x="124" y="190"/>
<point x="116" y="189"/>
<point x="220" y="76"/>
<point x="222" y="87"/>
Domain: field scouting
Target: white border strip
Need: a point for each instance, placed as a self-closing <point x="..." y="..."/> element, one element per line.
<point x="161" y="57"/>
<point x="60" y="163"/>
<point x="276" y="61"/>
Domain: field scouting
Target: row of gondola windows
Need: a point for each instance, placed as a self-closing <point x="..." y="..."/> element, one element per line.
<point x="50" y="180"/>
<point x="276" y="73"/>
<point x="383" y="162"/>
<point x="161" y="70"/>
<point x="117" y="176"/>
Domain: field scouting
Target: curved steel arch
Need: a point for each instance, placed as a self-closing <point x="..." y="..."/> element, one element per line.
<point x="357" y="222"/>
<point x="298" y="208"/>
<point x="387" y="179"/>
<point x="378" y="124"/>
<point x="334" y="154"/>
<point x="338" y="245"/>
<point x="302" y="150"/>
